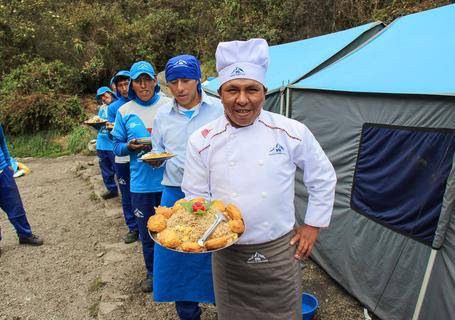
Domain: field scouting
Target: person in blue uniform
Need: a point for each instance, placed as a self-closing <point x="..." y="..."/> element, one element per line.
<point x="10" y="199"/>
<point x="134" y="120"/>
<point x="104" y="145"/>
<point x="122" y="164"/>
<point x="183" y="278"/>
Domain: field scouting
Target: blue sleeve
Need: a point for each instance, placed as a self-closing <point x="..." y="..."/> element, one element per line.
<point x="111" y="112"/>
<point x="120" y="137"/>
<point x="4" y="147"/>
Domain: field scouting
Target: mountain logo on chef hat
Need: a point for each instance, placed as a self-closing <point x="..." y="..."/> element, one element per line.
<point x="237" y="72"/>
<point x="277" y="149"/>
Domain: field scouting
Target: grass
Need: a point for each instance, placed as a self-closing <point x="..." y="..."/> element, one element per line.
<point x="51" y="144"/>
<point x="93" y="197"/>
<point x="79" y="138"/>
<point x="93" y="310"/>
<point x="96" y="284"/>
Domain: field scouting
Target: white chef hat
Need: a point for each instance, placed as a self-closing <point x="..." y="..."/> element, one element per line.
<point x="242" y="59"/>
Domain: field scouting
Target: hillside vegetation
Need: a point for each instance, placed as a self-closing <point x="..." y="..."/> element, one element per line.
<point x="52" y="52"/>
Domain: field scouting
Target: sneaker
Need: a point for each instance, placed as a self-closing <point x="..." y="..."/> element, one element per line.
<point x="109" y="195"/>
<point x="131" y="236"/>
<point x="31" y="240"/>
<point x="147" y="284"/>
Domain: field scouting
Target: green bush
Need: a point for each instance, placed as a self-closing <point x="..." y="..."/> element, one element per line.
<point x="79" y="138"/>
<point x="41" y="112"/>
<point x="39" y="76"/>
<point x="42" y="144"/>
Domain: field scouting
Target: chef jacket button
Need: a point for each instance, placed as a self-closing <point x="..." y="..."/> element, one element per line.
<point x="261" y="162"/>
<point x="263" y="194"/>
<point x="232" y="163"/>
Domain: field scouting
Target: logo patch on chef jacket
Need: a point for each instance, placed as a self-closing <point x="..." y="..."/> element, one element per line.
<point x="205" y="132"/>
<point x="277" y="149"/>
<point x="257" y="258"/>
<point x="237" y="72"/>
<point x="138" y="213"/>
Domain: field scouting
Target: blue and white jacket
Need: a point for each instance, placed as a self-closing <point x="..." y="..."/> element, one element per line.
<point x="172" y="129"/>
<point x="135" y="121"/>
<point x="102" y="140"/>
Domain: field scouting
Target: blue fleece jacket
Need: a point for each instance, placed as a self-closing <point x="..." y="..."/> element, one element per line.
<point x="5" y="159"/>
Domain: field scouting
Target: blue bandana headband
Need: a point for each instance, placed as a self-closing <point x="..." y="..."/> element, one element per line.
<point x="183" y="67"/>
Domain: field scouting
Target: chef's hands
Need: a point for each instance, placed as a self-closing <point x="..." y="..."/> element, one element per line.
<point x="304" y="238"/>
<point x="134" y="146"/>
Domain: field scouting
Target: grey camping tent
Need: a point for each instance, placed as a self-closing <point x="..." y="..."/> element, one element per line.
<point x="385" y="115"/>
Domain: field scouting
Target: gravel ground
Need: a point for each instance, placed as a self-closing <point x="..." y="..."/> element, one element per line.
<point x="84" y="270"/>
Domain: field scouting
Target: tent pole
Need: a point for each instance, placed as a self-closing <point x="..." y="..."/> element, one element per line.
<point x="423" y="288"/>
<point x="288" y="101"/>
<point x="282" y="101"/>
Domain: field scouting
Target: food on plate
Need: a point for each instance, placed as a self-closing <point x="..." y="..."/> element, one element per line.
<point x="191" y="247"/>
<point x="169" y="238"/>
<point x="151" y="156"/>
<point x="177" y="205"/>
<point x="95" y="119"/>
<point x="233" y="212"/>
<point x="164" y="211"/>
<point x="187" y="221"/>
<point x="219" y="205"/>
<point x="156" y="223"/>
<point x="198" y="199"/>
<point x="236" y="226"/>
<point x="216" y="243"/>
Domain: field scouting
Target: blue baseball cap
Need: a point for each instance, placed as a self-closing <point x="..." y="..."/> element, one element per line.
<point x="121" y="73"/>
<point x="141" y="67"/>
<point x="138" y="68"/>
<point x="103" y="90"/>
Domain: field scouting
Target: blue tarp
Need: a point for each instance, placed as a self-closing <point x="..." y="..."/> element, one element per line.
<point x="413" y="55"/>
<point x="290" y="62"/>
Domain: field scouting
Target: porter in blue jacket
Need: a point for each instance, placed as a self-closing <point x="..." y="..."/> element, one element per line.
<point x="10" y="199"/>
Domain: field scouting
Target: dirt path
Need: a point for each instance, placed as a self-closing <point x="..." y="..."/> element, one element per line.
<point x="84" y="271"/>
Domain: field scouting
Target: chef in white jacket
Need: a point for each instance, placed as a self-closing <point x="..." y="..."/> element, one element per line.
<point x="249" y="157"/>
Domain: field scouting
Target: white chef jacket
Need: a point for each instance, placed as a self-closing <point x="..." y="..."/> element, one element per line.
<point x="254" y="168"/>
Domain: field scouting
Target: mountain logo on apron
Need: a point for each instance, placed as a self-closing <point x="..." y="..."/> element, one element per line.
<point x="257" y="258"/>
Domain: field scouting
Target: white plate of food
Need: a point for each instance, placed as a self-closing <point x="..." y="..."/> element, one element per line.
<point x="96" y="122"/>
<point x="181" y="227"/>
<point x="149" y="157"/>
